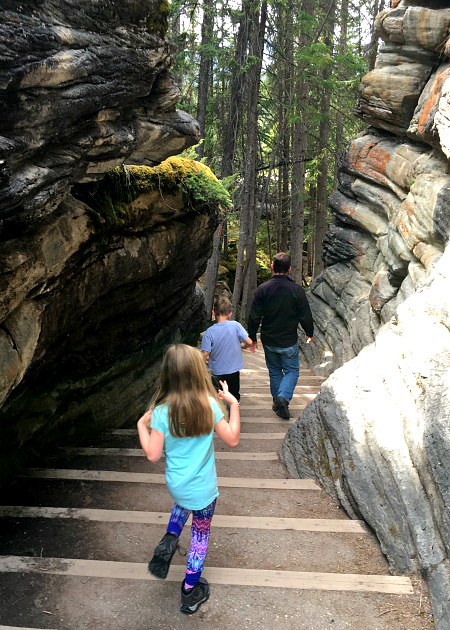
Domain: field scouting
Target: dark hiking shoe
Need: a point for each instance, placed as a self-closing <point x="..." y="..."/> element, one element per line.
<point x="281" y="407"/>
<point x="192" y="600"/>
<point x="162" y="557"/>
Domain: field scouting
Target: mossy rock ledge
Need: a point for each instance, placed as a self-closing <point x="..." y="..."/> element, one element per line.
<point x="131" y="197"/>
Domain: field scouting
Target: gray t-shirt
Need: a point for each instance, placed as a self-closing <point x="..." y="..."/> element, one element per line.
<point x="222" y="341"/>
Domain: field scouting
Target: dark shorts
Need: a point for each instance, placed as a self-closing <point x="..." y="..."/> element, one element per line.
<point x="232" y="380"/>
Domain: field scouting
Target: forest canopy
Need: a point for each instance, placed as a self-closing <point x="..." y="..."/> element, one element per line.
<point x="273" y="86"/>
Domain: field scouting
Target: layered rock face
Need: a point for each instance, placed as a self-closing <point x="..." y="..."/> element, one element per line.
<point x="377" y="436"/>
<point x="84" y="86"/>
<point x="391" y="212"/>
<point x="86" y="310"/>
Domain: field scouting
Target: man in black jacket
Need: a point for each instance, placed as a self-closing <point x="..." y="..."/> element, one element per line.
<point x="281" y="304"/>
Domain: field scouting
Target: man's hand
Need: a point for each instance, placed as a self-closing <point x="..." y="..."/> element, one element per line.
<point x="308" y="339"/>
<point x="254" y="347"/>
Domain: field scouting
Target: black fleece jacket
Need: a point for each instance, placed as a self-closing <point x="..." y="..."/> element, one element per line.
<point x="281" y="304"/>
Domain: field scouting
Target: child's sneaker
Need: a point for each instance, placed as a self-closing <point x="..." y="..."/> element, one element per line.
<point x="192" y="600"/>
<point x="162" y="557"/>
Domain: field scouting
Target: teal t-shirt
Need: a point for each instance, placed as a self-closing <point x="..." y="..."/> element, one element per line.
<point x="191" y="476"/>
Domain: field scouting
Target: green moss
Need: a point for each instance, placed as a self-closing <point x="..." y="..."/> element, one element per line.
<point x="263" y="271"/>
<point x="164" y="7"/>
<point x="112" y="198"/>
<point x="393" y="531"/>
<point x="324" y="459"/>
<point x="158" y="22"/>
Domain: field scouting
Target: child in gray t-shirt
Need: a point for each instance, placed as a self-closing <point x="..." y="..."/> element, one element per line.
<point x="223" y="343"/>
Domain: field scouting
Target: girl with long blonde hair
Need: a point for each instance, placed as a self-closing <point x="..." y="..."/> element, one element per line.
<point x="183" y="415"/>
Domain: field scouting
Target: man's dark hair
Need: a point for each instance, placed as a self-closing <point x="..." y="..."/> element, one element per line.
<point x="281" y="263"/>
<point x="222" y="306"/>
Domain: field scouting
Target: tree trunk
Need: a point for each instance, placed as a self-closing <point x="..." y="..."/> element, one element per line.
<point x="312" y="228"/>
<point x="203" y="73"/>
<point x="230" y="141"/>
<point x="256" y="50"/>
<point x="250" y="281"/>
<point x="238" y="79"/>
<point x="299" y="149"/>
<point x="324" y="136"/>
<point x="339" y="114"/>
<point x="373" y="46"/>
<point x="211" y="271"/>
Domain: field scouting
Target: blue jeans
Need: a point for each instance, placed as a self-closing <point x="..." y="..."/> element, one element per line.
<point x="284" y="367"/>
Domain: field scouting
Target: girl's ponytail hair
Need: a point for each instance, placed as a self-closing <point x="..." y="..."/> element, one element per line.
<point x="186" y="388"/>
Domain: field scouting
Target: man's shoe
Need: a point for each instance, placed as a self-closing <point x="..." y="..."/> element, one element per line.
<point x="281" y="407"/>
<point x="192" y="600"/>
<point x="162" y="557"/>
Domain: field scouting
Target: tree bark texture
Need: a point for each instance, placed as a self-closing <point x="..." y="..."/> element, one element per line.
<point x="211" y="271"/>
<point x="238" y="79"/>
<point x="324" y="136"/>
<point x="256" y="50"/>
<point x="339" y="114"/>
<point x="299" y="149"/>
<point x="203" y="74"/>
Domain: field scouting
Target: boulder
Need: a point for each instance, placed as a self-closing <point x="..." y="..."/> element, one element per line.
<point x="389" y="94"/>
<point x="377" y="437"/>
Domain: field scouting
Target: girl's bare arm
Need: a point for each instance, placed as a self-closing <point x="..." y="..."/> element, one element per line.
<point x="152" y="443"/>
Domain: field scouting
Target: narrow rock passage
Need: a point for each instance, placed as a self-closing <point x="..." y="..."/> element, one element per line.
<point x="77" y="536"/>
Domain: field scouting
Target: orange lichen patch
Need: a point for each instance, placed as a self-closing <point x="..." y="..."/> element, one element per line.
<point x="374" y="295"/>
<point x="360" y="254"/>
<point x="348" y="208"/>
<point x="433" y="100"/>
<point x="405" y="229"/>
<point x="409" y="205"/>
<point x="379" y="158"/>
<point x="359" y="153"/>
<point x="371" y="160"/>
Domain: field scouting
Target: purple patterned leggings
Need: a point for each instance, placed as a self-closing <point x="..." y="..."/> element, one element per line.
<point x="201" y="524"/>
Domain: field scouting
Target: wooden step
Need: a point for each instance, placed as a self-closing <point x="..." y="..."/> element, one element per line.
<point x="243" y="436"/>
<point x="215" y="575"/>
<point x="157" y="518"/>
<point x="137" y="452"/>
<point x="128" y="477"/>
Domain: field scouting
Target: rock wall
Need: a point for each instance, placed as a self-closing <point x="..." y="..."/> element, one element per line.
<point x="377" y="436"/>
<point x="87" y="306"/>
<point x="391" y="213"/>
<point x="84" y="86"/>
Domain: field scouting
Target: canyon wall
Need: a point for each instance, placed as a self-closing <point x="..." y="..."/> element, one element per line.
<point x="377" y="436"/>
<point x="89" y="296"/>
